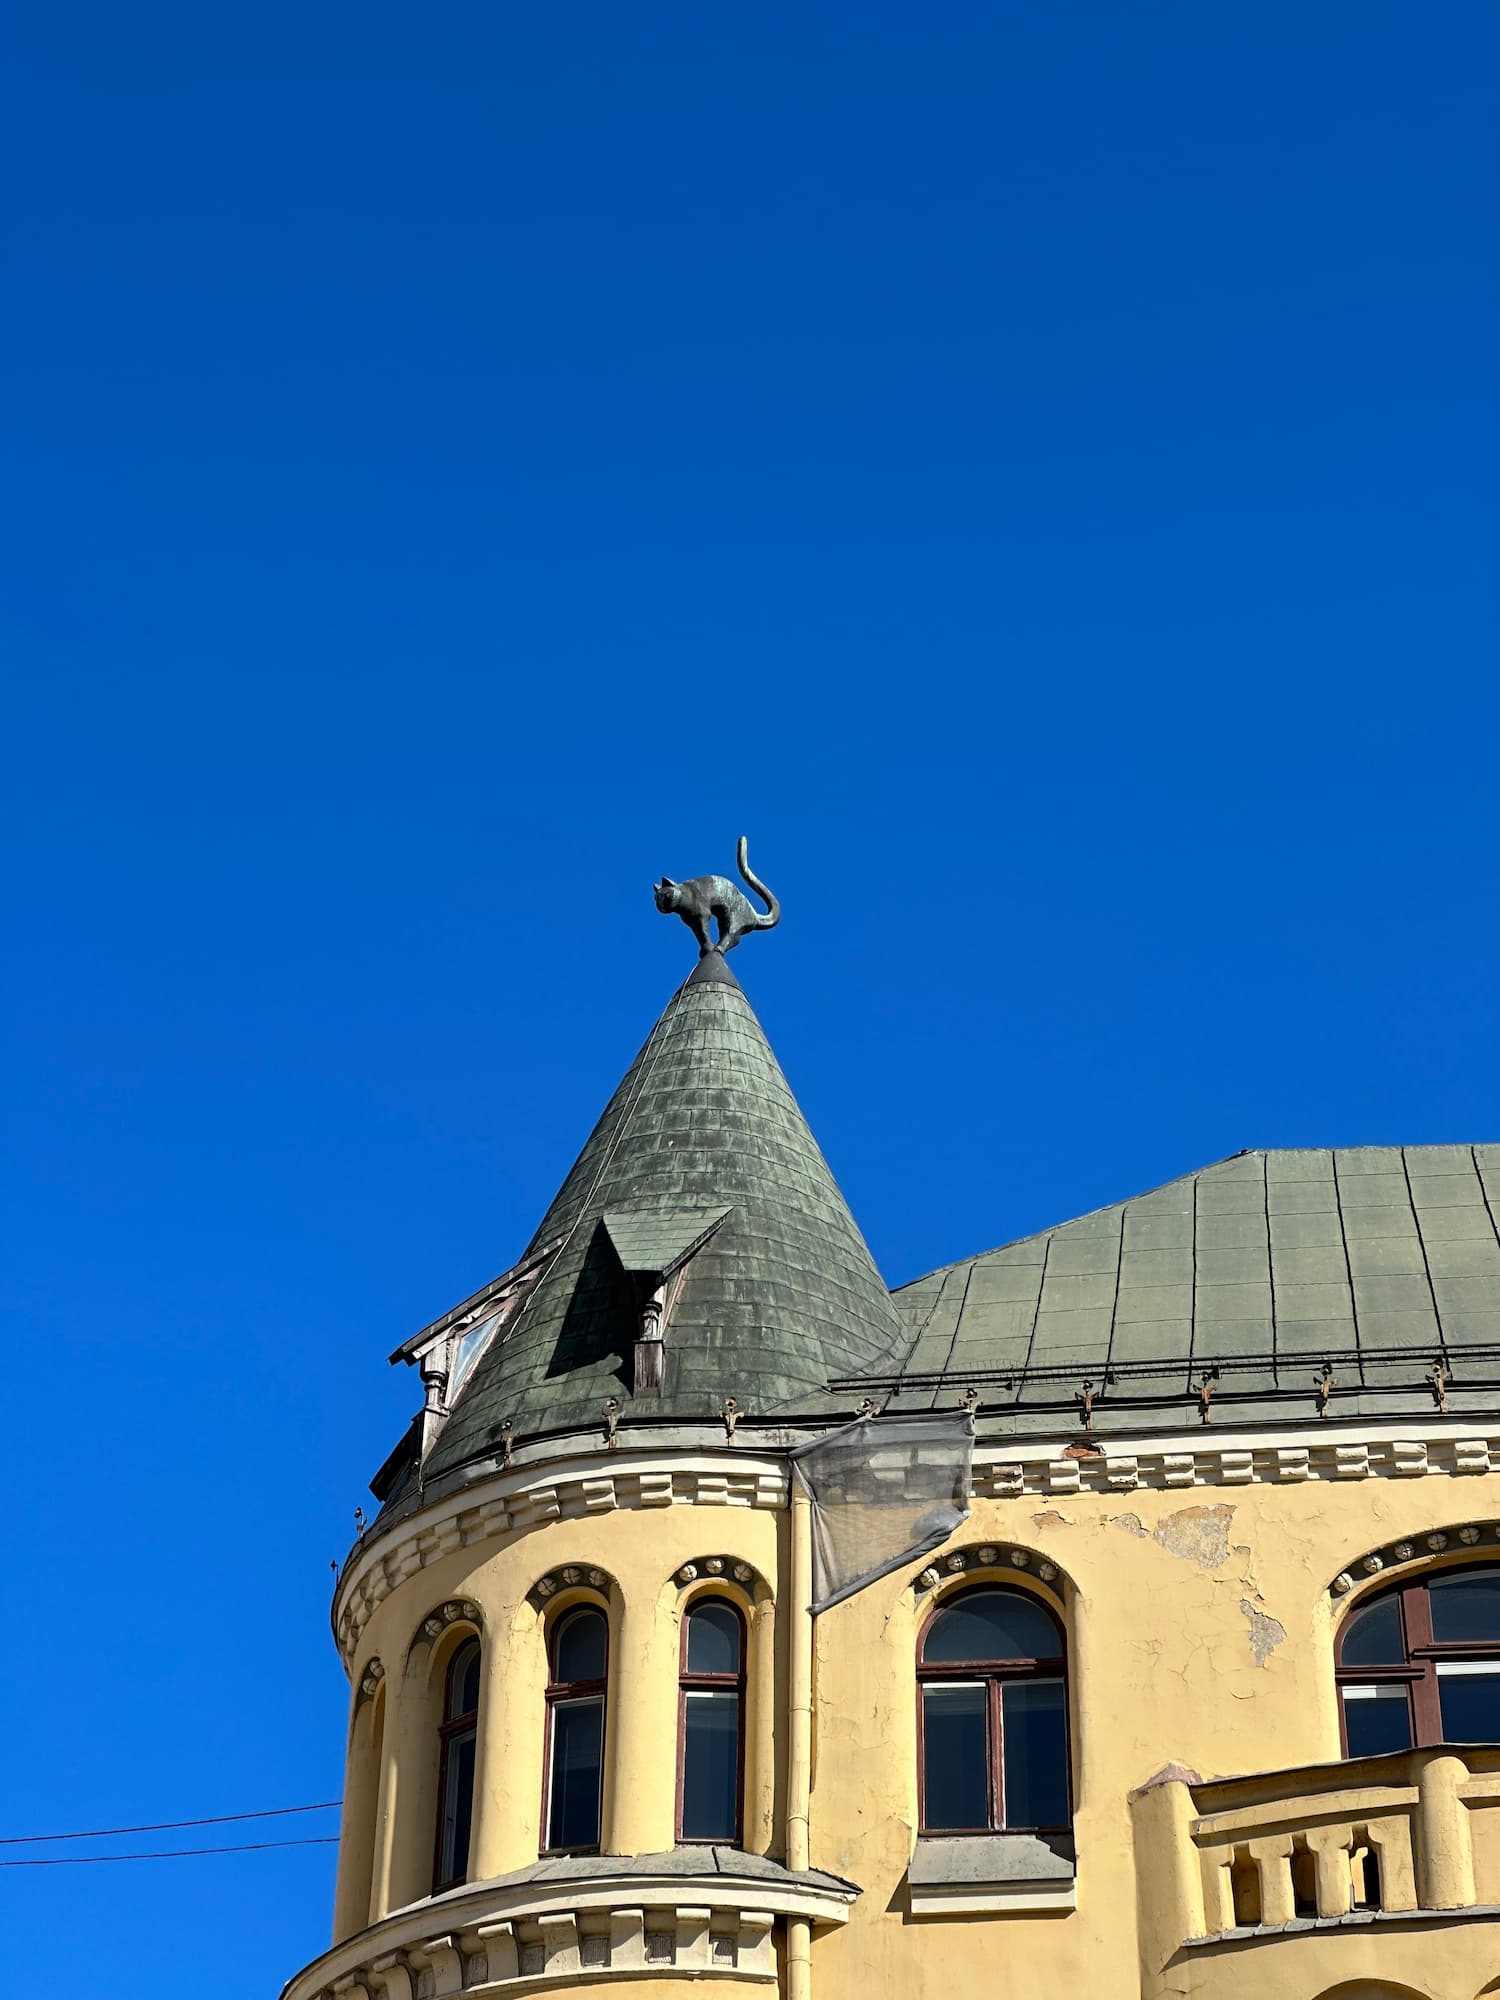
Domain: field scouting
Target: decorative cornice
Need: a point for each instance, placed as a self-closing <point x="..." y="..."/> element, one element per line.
<point x="991" y="1555"/>
<point x="571" y="1576"/>
<point x="1003" y="1471"/>
<point x="492" y="1939"/>
<point x="722" y="1569"/>
<point x="1415" y="1549"/>
<point x="572" y="1488"/>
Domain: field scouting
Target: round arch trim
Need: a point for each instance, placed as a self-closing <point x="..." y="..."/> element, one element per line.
<point x="977" y="1558"/>
<point x="1419" y="1548"/>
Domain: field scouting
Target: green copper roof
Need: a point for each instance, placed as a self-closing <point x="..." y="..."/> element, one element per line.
<point x="702" y="1145"/>
<point x="1376" y="1259"/>
<point x="658" y="1239"/>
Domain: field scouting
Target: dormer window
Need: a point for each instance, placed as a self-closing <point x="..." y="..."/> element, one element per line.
<point x="447" y="1352"/>
<point x="468" y="1348"/>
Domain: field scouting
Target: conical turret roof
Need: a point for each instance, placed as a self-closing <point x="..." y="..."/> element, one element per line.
<point x="702" y="1172"/>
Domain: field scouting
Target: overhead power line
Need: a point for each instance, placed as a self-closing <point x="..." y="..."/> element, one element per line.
<point x="166" y="1853"/>
<point x="164" y="1826"/>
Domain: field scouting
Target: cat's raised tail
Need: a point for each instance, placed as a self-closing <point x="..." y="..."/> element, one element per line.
<point x="772" y="918"/>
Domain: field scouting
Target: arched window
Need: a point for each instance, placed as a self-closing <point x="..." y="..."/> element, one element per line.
<point x="578" y="1665"/>
<point x="458" y="1736"/>
<point x="711" y="1723"/>
<point x="993" y="1738"/>
<point x="1420" y="1663"/>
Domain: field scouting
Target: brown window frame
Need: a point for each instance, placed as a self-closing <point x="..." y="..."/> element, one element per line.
<point x="995" y="1674"/>
<point x="562" y="1691"/>
<point x="449" y="1730"/>
<point x="715" y="1684"/>
<point x="1421" y="1653"/>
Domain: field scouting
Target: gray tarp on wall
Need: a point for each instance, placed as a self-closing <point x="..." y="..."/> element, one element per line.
<point x="883" y="1493"/>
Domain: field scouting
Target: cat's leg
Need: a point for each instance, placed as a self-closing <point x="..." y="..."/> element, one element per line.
<point x="699" y="927"/>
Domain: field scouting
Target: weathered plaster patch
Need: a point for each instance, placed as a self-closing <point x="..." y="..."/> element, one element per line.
<point x="1266" y="1632"/>
<point x="1051" y="1519"/>
<point x="1131" y="1523"/>
<point x="1197" y="1534"/>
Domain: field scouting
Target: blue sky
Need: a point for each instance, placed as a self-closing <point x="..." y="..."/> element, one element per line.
<point x="1032" y="469"/>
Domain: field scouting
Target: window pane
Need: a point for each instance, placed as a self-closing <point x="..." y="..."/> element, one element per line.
<point x="458" y="1805"/>
<point x="1372" y="1638"/>
<point x="577" y="1738"/>
<point x="467" y="1353"/>
<point x="992" y="1625"/>
<point x="1035" y="1745"/>
<point x="955" y="1758"/>
<point x="582" y="1643"/>
<point x="1470" y="1705"/>
<point x="463" y="1681"/>
<point x="1376" y="1720"/>
<point x="713" y="1645"/>
<point x="710" y="1765"/>
<point x="1465" y="1605"/>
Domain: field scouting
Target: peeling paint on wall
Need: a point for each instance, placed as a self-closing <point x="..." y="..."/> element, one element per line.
<point x="1051" y="1519"/>
<point x="1266" y="1633"/>
<point x="1197" y="1534"/>
<point x="1131" y="1523"/>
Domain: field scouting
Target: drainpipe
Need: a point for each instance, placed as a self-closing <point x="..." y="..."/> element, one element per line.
<point x="799" y="1744"/>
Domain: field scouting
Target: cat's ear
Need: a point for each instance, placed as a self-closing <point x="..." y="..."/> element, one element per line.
<point x="666" y="882"/>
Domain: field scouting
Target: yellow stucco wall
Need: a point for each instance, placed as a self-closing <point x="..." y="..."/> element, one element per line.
<point x="1200" y="1631"/>
<point x="642" y="1553"/>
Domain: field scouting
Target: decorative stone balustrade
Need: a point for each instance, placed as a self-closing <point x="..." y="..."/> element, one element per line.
<point x="1405" y="1836"/>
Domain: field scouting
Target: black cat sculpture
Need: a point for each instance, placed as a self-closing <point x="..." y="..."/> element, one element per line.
<point x="716" y="896"/>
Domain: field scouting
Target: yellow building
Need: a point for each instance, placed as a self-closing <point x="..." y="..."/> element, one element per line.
<point x="1190" y="1685"/>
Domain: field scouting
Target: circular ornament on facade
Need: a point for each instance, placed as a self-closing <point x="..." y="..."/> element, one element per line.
<point x="744" y="1574"/>
<point x="566" y="1578"/>
<point x="433" y="1627"/>
<point x="983" y="1556"/>
<point x="1342" y="1582"/>
<point x="1429" y="1545"/>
